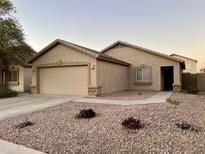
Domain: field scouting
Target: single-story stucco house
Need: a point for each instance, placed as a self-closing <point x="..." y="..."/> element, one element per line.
<point x="190" y="63"/>
<point x="70" y="69"/>
<point x="18" y="77"/>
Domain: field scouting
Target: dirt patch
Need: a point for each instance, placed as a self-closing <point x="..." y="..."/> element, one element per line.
<point x="57" y="130"/>
<point x="129" y="95"/>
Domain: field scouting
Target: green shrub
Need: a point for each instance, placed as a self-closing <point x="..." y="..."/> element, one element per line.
<point x="183" y="125"/>
<point x="6" y="92"/>
<point x="24" y="124"/>
<point x="187" y="126"/>
<point x="132" y="123"/>
<point x="173" y="102"/>
<point x="139" y="93"/>
<point x="86" y="114"/>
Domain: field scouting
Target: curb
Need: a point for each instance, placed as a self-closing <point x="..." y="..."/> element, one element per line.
<point x="11" y="148"/>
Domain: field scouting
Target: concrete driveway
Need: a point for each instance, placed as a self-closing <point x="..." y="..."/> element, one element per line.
<point x="27" y="103"/>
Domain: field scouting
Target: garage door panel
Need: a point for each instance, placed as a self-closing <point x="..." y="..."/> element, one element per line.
<point x="64" y="80"/>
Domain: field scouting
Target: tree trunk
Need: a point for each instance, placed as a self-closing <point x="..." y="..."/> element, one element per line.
<point x="6" y="70"/>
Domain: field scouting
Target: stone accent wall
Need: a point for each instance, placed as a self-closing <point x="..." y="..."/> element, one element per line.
<point x="177" y="87"/>
<point x="94" y="91"/>
<point x="34" y="90"/>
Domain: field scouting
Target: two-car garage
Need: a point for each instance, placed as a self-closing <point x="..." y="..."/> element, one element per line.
<point x="66" y="80"/>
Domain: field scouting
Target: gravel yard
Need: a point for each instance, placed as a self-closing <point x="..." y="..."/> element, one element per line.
<point x="129" y="95"/>
<point x="56" y="129"/>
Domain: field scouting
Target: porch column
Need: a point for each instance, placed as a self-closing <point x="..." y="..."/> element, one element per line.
<point x="34" y="80"/>
<point x="2" y="78"/>
<point x="177" y="79"/>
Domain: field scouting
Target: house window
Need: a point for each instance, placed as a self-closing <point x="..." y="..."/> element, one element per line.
<point x="143" y="74"/>
<point x="13" y="74"/>
<point x="188" y="66"/>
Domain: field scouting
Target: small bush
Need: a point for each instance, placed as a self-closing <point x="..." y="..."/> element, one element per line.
<point x="6" y="92"/>
<point x="139" y="93"/>
<point x="86" y="114"/>
<point x="24" y="124"/>
<point x="183" y="125"/>
<point x="187" y="126"/>
<point x="132" y="123"/>
<point x="192" y="90"/>
<point x="173" y="102"/>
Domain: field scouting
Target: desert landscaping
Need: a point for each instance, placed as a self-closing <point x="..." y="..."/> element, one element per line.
<point x="58" y="130"/>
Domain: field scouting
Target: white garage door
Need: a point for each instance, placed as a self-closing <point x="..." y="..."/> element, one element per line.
<point x="64" y="80"/>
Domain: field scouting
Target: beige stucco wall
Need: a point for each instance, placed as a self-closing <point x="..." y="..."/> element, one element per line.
<point x="63" y="54"/>
<point x="112" y="77"/>
<point x="20" y="86"/>
<point x="24" y="79"/>
<point x="191" y="65"/>
<point x="137" y="57"/>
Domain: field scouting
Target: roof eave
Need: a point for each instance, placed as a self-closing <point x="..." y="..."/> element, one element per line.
<point x="111" y="46"/>
<point x="71" y="45"/>
<point x="111" y="59"/>
<point x="52" y="44"/>
<point x="142" y="49"/>
<point x="184" y="57"/>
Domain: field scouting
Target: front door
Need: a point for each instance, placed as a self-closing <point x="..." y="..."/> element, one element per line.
<point x="167" y="78"/>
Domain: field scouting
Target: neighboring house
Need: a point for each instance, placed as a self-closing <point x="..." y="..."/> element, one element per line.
<point x="18" y="77"/>
<point x="190" y="64"/>
<point x="202" y="70"/>
<point x="66" y="68"/>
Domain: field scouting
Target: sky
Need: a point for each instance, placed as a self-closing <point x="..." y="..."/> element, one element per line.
<point x="167" y="26"/>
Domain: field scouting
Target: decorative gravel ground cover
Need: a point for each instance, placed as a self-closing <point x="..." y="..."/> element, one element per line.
<point x="129" y="95"/>
<point x="57" y="130"/>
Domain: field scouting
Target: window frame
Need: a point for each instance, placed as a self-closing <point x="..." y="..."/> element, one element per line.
<point x="142" y="67"/>
<point x="13" y="69"/>
<point x="188" y="66"/>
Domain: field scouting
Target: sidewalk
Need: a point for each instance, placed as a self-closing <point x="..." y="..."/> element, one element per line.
<point x="11" y="148"/>
<point x="158" y="98"/>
